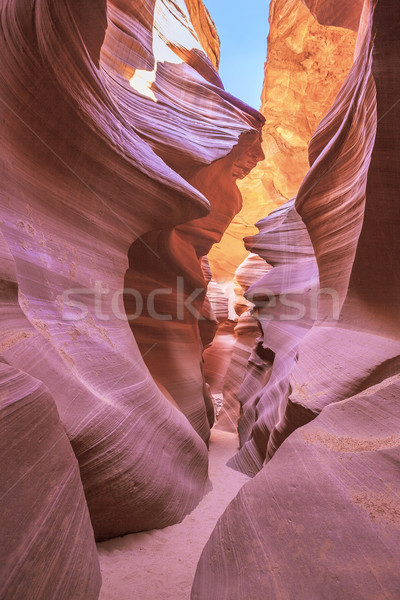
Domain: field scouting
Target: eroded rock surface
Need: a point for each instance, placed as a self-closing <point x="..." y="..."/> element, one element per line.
<point x="320" y="418"/>
<point x="336" y="340"/>
<point x="47" y="548"/>
<point x="120" y="154"/>
<point x="306" y="65"/>
<point x="322" y="520"/>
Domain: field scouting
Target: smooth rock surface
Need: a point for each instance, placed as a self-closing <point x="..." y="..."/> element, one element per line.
<point x="339" y="334"/>
<point x="47" y="542"/>
<point x="322" y="519"/>
<point x="115" y="122"/>
<point x="320" y="415"/>
<point x="305" y="67"/>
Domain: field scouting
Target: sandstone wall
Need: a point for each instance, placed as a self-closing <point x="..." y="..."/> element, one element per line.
<point x="120" y="153"/>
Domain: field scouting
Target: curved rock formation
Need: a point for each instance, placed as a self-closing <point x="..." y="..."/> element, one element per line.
<point x="205" y="30"/>
<point x="322" y="520"/>
<point x="302" y="77"/>
<point x="364" y="345"/>
<point x="306" y="65"/>
<point x="284" y="308"/>
<point x="331" y="204"/>
<point x="47" y="548"/>
<point x="243" y="335"/>
<point x="334" y="12"/>
<point x="112" y="139"/>
<point x="121" y="153"/>
<point x="170" y="259"/>
<point x="175" y="329"/>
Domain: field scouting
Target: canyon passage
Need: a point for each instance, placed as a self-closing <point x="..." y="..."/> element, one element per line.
<point x="200" y="299"/>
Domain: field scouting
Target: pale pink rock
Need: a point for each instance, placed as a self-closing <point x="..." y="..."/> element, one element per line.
<point x="322" y="519"/>
<point x="348" y="338"/>
<point x="97" y="160"/>
<point x="47" y="542"/>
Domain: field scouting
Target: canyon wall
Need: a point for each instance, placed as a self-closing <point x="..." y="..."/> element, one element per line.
<point x="321" y="517"/>
<point x="120" y="154"/>
<point x="331" y="209"/>
<point x="306" y="65"/>
<point x="48" y="548"/>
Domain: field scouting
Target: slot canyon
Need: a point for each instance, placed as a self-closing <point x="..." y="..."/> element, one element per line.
<point x="200" y="304"/>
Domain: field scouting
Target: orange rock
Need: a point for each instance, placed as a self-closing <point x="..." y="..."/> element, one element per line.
<point x="205" y="29"/>
<point x="306" y="65"/>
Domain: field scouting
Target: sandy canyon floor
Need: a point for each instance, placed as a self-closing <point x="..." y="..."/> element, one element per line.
<point x="162" y="563"/>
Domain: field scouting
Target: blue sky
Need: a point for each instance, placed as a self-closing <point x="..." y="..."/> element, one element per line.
<point x="243" y="28"/>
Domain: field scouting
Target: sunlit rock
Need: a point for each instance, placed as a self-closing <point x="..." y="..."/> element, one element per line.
<point x="105" y="180"/>
<point x="321" y="517"/>
<point x="306" y="65"/>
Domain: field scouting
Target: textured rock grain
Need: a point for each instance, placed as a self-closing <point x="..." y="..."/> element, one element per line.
<point x="347" y="336"/>
<point x="115" y="121"/>
<point x="322" y="519"/>
<point x="47" y="542"/>
<point x="306" y="65"/>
